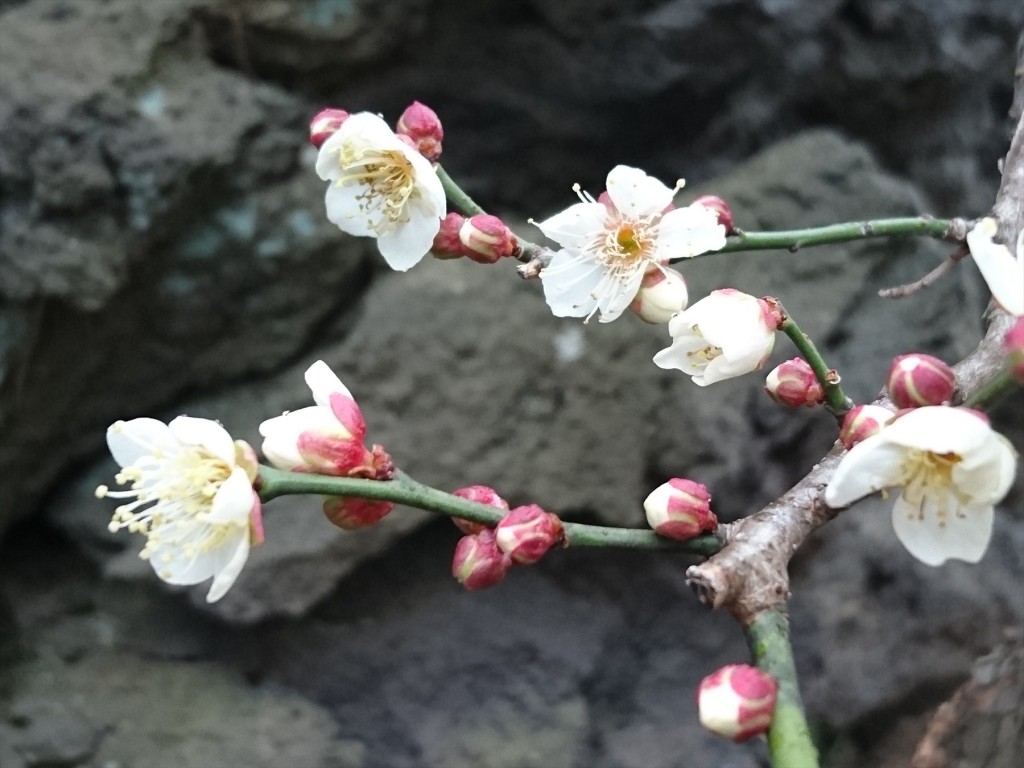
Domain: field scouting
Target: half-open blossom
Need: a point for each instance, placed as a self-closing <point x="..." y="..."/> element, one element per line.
<point x="951" y="467"/>
<point x="1003" y="271"/>
<point x="607" y="248"/>
<point x="725" y="334"/>
<point x="326" y="438"/>
<point x="662" y="294"/>
<point x="381" y="187"/>
<point x="737" y="701"/>
<point x="526" y="533"/>
<point x="191" y="497"/>
<point x="916" y="379"/>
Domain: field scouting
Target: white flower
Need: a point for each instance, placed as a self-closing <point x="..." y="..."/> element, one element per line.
<point x="383" y="188"/>
<point x="606" y="249"/>
<point x="191" y="499"/>
<point x="1003" y="273"/>
<point x="725" y="334"/>
<point x="952" y="468"/>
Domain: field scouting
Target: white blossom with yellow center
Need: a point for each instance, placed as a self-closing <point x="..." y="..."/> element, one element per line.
<point x="1003" y="272"/>
<point x="187" y="495"/>
<point x="607" y="249"/>
<point x="381" y="187"/>
<point x="952" y="469"/>
<point x="725" y="334"/>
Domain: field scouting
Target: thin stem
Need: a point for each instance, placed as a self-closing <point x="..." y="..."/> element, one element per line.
<point x="789" y="738"/>
<point x="404" y="490"/>
<point x="456" y="196"/>
<point x="795" y="239"/>
<point x="992" y="390"/>
<point x="835" y="399"/>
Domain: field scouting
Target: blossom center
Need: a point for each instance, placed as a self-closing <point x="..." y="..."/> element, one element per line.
<point x="926" y="475"/>
<point x="388" y="178"/>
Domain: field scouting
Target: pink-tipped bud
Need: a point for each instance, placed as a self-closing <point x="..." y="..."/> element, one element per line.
<point x="794" y="384"/>
<point x="771" y="311"/>
<point x="680" y="509"/>
<point x="863" y="422"/>
<point x="737" y="701"/>
<point x="1013" y="344"/>
<point x="256" y="534"/>
<point x="325" y="123"/>
<point x="479" y="561"/>
<point x="721" y="209"/>
<point x="481" y="494"/>
<point x="447" y="244"/>
<point x="662" y="294"/>
<point x="421" y="124"/>
<point x="350" y="514"/>
<point x="485" y="239"/>
<point x="916" y="380"/>
<point x="527" y="532"/>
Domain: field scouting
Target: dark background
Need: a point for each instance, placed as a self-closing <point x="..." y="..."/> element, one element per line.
<point x="164" y="250"/>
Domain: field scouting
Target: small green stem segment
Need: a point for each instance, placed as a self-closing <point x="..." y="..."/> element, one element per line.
<point x="835" y="399"/>
<point x="404" y="490"/>
<point x="466" y="205"/>
<point x="992" y="390"/>
<point x="789" y="738"/>
<point x="795" y="239"/>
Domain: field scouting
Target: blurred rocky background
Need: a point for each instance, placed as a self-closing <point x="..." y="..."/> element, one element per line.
<point x="163" y="249"/>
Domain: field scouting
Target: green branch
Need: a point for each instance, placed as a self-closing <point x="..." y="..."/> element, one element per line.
<point x="789" y="738"/>
<point x="404" y="490"/>
<point x="992" y="390"/>
<point x="463" y="202"/>
<point x="835" y="399"/>
<point x="795" y="239"/>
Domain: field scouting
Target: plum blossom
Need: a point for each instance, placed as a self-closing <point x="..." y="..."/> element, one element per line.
<point x="725" y="334"/>
<point x="381" y="187"/>
<point x="1003" y="272"/>
<point x="608" y="247"/>
<point x="192" y="498"/>
<point x="952" y="469"/>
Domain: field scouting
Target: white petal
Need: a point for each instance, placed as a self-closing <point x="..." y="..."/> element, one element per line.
<point x="569" y="282"/>
<point x="327" y="166"/>
<point x="576" y="226"/>
<point x="940" y="429"/>
<point x="1003" y="273"/>
<point x="869" y="466"/>
<point x="233" y="500"/>
<point x="281" y="434"/>
<point x="635" y="194"/>
<point x="613" y="300"/>
<point x="964" y="536"/>
<point x="404" y="245"/>
<point x="680" y="356"/>
<point x="171" y="564"/>
<point x="986" y="474"/>
<point x="207" y="434"/>
<point x="689" y="231"/>
<point x="345" y="210"/>
<point x="429" y="191"/>
<point x="129" y="441"/>
<point x="323" y="382"/>
<point x="226" y="577"/>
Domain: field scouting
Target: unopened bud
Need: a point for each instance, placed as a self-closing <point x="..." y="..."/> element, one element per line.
<point x="350" y="514"/>
<point x="721" y="209"/>
<point x="421" y="124"/>
<point x="680" y="509"/>
<point x="256" y="533"/>
<point x="481" y="494"/>
<point x="1013" y="344"/>
<point x="479" y="561"/>
<point x="485" y="239"/>
<point x="794" y="384"/>
<point x="662" y="294"/>
<point x="863" y="422"/>
<point x="737" y="701"/>
<point x="916" y="380"/>
<point x="447" y="244"/>
<point x="326" y="122"/>
<point x="527" y="532"/>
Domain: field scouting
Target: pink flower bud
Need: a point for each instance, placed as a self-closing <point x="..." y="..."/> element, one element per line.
<point x="721" y="209"/>
<point x="916" y="380"/>
<point x="256" y="533"/>
<point x="863" y="422"/>
<point x="793" y="384"/>
<point x="527" y="532"/>
<point x="481" y="494"/>
<point x="350" y="513"/>
<point x="1013" y="344"/>
<point x="680" y="509"/>
<point x="447" y="244"/>
<point x="326" y="122"/>
<point x="662" y="294"/>
<point x="486" y="239"/>
<point x="737" y="701"/>
<point x="421" y="124"/>
<point x="479" y="562"/>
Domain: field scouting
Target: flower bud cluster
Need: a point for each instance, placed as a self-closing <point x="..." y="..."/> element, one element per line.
<point x="483" y="238"/>
<point x="521" y="537"/>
